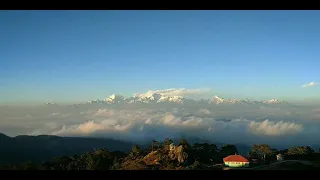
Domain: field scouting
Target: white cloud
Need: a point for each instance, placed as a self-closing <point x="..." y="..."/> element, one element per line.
<point x="311" y="84"/>
<point x="274" y="128"/>
<point x="227" y="124"/>
<point x="149" y="123"/>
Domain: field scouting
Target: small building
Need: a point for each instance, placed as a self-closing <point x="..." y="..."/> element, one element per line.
<point x="279" y="157"/>
<point x="236" y="161"/>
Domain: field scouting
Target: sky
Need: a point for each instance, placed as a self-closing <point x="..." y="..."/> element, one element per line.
<point x="71" y="56"/>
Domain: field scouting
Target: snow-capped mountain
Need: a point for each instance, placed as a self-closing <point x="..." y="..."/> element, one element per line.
<point x="148" y="97"/>
<point x="273" y="101"/>
<point x="218" y="100"/>
<point x="172" y="99"/>
<point x="162" y="96"/>
<point x="95" y="102"/>
<point x="114" y="99"/>
<point x="50" y="103"/>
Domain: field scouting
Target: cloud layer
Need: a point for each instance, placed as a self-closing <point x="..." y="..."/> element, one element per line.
<point x="275" y="128"/>
<point x="242" y="123"/>
<point x="311" y="84"/>
<point x="227" y="124"/>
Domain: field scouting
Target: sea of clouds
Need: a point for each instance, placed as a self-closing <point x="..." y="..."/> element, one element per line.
<point x="248" y="124"/>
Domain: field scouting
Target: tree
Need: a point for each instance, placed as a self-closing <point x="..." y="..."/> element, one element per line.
<point x="228" y="149"/>
<point x="196" y="165"/>
<point x="300" y="150"/>
<point x="184" y="144"/>
<point x="205" y="147"/>
<point x="284" y="151"/>
<point x="166" y="144"/>
<point x="274" y="151"/>
<point x="136" y="149"/>
<point x="28" y="166"/>
<point x="136" y="152"/>
<point x="134" y="165"/>
<point x="261" y="150"/>
<point x="206" y="153"/>
<point x="155" y="145"/>
<point x="104" y="159"/>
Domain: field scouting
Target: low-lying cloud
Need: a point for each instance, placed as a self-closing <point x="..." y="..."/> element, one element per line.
<point x="239" y="123"/>
<point x="131" y="122"/>
<point x="274" y="128"/>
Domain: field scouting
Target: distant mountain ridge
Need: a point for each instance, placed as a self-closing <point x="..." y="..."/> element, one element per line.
<point x="155" y="97"/>
<point x="174" y="96"/>
<point x="44" y="147"/>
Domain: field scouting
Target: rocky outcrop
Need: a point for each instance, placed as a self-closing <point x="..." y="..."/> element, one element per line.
<point x="178" y="153"/>
<point x="152" y="158"/>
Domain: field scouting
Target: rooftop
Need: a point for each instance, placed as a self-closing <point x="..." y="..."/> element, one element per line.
<point x="235" y="158"/>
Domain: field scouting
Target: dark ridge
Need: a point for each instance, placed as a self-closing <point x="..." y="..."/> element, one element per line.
<point x="184" y="156"/>
<point x="43" y="147"/>
<point x="3" y="136"/>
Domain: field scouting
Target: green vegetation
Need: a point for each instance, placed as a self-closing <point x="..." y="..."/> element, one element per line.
<point x="159" y="155"/>
<point x="165" y="156"/>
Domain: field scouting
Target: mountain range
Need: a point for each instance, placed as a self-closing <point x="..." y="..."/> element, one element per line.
<point x="155" y="97"/>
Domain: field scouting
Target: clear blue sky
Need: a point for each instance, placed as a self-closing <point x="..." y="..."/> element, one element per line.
<point x="67" y="56"/>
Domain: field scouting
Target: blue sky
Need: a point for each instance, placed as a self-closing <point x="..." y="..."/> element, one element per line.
<point x="70" y="56"/>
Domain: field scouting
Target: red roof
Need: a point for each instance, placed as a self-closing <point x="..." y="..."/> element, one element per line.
<point x="235" y="158"/>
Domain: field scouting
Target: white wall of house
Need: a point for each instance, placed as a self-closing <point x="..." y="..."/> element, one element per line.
<point x="279" y="157"/>
<point x="236" y="164"/>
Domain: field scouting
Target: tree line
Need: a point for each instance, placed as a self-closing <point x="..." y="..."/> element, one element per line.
<point x="162" y="156"/>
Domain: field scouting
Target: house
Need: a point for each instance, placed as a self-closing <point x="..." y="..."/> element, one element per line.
<point x="235" y="161"/>
<point x="279" y="157"/>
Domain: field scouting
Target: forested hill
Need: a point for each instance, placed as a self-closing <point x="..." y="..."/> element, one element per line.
<point x="158" y="155"/>
<point x="165" y="155"/>
<point x="52" y="152"/>
<point x="43" y="147"/>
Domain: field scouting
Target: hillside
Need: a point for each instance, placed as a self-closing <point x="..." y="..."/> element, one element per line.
<point x="65" y="153"/>
<point x="159" y="155"/>
<point x="44" y="147"/>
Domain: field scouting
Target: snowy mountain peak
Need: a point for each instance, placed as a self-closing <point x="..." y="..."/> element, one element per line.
<point x="95" y="101"/>
<point x="114" y="99"/>
<point x="218" y="100"/>
<point x="147" y="97"/>
<point x="176" y="96"/>
<point x="173" y="99"/>
<point x="216" y="97"/>
<point x="50" y="103"/>
<point x="273" y="101"/>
